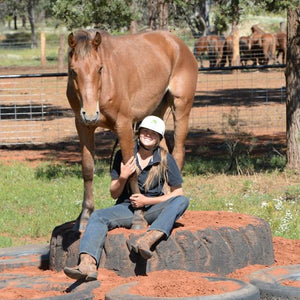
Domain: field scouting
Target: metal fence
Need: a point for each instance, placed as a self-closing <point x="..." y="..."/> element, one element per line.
<point x="34" y="108"/>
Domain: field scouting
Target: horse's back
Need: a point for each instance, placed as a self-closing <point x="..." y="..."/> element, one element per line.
<point x="157" y="43"/>
<point x="159" y="55"/>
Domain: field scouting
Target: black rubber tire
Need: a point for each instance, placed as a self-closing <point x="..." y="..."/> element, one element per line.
<point x="29" y="255"/>
<point x="269" y="280"/>
<point x="245" y="291"/>
<point x="77" y="291"/>
<point x="219" y="250"/>
<point x="64" y="245"/>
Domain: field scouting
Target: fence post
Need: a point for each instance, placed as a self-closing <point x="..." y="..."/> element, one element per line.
<point x="43" y="49"/>
<point x="61" y="53"/>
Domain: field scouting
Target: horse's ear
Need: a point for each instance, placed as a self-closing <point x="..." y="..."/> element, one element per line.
<point x="72" y="41"/>
<point x="97" y="40"/>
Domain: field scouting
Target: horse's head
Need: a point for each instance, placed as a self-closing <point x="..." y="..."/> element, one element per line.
<point x="84" y="82"/>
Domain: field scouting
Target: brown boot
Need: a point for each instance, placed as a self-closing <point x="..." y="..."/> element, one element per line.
<point x="87" y="269"/>
<point x="144" y="243"/>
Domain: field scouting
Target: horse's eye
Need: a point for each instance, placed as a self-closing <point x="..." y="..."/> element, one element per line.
<point x="100" y="70"/>
<point x="73" y="73"/>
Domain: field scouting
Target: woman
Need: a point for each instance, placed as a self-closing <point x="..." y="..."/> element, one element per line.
<point x="154" y="167"/>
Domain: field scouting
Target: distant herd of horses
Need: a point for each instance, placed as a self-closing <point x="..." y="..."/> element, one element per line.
<point x="260" y="48"/>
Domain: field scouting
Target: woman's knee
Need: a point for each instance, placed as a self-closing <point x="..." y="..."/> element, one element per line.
<point x="182" y="202"/>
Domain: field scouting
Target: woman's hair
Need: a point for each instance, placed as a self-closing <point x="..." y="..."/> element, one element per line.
<point x="157" y="171"/>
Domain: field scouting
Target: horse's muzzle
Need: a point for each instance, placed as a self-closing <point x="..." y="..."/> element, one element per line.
<point x="89" y="119"/>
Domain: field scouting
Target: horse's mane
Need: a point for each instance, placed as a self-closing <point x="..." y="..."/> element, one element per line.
<point x="83" y="37"/>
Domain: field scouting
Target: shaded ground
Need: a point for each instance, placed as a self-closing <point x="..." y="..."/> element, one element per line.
<point x="200" y="143"/>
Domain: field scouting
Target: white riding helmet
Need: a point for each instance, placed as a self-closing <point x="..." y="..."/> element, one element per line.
<point x="154" y="123"/>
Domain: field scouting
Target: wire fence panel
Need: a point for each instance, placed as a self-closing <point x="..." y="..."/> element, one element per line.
<point x="35" y="110"/>
<point x="246" y="101"/>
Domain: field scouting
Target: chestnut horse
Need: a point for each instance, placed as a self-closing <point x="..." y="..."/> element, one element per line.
<point x="281" y="45"/>
<point x="210" y="44"/>
<point x="114" y="82"/>
<point x="262" y="45"/>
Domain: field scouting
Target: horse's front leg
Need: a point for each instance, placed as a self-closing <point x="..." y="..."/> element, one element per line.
<point x="87" y="142"/>
<point x="126" y="140"/>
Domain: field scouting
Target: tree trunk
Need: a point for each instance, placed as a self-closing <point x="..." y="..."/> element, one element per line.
<point x="30" y="9"/>
<point x="23" y="22"/>
<point x="15" y="23"/>
<point x="163" y="14"/>
<point x="235" y="46"/>
<point x="293" y="90"/>
<point x="61" y="53"/>
<point x="133" y="27"/>
<point x="152" y="15"/>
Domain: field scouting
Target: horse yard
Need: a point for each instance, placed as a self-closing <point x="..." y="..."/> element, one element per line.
<point x="35" y="114"/>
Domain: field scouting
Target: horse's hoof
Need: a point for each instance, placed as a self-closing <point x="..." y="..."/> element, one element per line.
<point x="79" y="226"/>
<point x="139" y="226"/>
<point x="82" y="227"/>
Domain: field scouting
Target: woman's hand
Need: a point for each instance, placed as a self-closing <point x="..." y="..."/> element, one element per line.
<point x="128" y="168"/>
<point x="138" y="200"/>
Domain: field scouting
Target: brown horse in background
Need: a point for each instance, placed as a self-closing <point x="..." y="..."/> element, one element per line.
<point x="227" y="52"/>
<point x="245" y="53"/>
<point x="210" y="44"/>
<point x="281" y="45"/>
<point x="262" y="45"/>
<point x="114" y="82"/>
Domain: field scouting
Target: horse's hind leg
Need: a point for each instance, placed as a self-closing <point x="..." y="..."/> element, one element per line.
<point x="180" y="107"/>
<point x="181" y="113"/>
<point x="181" y="96"/>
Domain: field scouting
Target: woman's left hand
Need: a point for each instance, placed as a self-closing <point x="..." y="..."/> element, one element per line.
<point x="138" y="200"/>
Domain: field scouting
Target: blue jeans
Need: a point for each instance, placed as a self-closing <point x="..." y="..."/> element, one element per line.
<point x="161" y="216"/>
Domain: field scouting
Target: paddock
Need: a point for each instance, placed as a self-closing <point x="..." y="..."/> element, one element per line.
<point x="35" y="114"/>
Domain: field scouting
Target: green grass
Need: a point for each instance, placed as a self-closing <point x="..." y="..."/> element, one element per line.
<point x="27" y="57"/>
<point x="16" y="49"/>
<point x="36" y="199"/>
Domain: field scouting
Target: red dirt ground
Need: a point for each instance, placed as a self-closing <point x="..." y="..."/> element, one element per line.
<point x="176" y="283"/>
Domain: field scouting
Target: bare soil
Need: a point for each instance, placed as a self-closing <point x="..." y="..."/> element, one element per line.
<point x="176" y="283"/>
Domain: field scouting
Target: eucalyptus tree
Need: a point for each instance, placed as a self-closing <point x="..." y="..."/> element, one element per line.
<point x="24" y="10"/>
<point x="113" y="14"/>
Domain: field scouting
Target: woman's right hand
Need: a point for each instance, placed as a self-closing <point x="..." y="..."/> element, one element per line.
<point x="128" y="168"/>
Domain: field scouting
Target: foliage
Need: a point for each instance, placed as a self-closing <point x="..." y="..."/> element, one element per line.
<point x="26" y="10"/>
<point x="229" y="13"/>
<point x="276" y="5"/>
<point x="201" y="16"/>
<point x="76" y="13"/>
